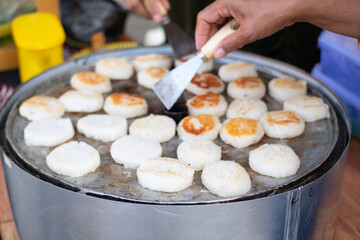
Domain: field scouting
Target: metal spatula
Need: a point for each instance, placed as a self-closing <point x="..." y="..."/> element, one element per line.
<point x="170" y="87"/>
<point x="181" y="43"/>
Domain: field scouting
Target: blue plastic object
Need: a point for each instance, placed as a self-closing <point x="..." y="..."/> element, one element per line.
<point x="350" y="100"/>
<point x="340" y="59"/>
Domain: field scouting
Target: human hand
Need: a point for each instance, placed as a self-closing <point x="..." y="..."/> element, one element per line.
<point x="257" y="19"/>
<point x="148" y="9"/>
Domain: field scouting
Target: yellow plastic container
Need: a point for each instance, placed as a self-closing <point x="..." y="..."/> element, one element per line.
<point x="39" y="38"/>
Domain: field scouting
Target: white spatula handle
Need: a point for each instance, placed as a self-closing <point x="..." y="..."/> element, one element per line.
<point x="226" y="30"/>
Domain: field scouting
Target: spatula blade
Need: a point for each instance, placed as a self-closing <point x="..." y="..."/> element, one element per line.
<point x="181" y="43"/>
<point x="170" y="87"/>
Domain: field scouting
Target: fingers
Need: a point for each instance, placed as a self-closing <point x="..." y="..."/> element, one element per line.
<point x="208" y="23"/>
<point x="154" y="10"/>
<point x="148" y="9"/>
<point x="138" y="7"/>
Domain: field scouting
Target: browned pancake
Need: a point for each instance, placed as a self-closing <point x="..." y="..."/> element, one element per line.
<point x="91" y="78"/>
<point x="306" y="102"/>
<point x="112" y="62"/>
<point x="237" y="127"/>
<point x="47" y="103"/>
<point x="156" y="72"/>
<point x="248" y="82"/>
<point x="205" y="123"/>
<point x="289" y="83"/>
<point x="282" y="118"/>
<point x="237" y="66"/>
<point x="127" y="99"/>
<point x="208" y="99"/>
<point x="150" y="57"/>
<point x="206" y="81"/>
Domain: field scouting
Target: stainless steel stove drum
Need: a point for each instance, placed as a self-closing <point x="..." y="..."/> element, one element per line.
<point x="109" y="204"/>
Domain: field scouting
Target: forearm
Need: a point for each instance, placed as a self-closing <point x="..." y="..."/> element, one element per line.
<point x="340" y="16"/>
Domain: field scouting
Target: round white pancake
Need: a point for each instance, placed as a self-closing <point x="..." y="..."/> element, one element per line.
<point x="41" y="107"/>
<point x="48" y="132"/>
<point x="203" y="125"/>
<point x="125" y="104"/>
<point x="154" y="36"/>
<point x="251" y="87"/>
<point x="165" y="175"/>
<point x="241" y="132"/>
<point x="114" y="68"/>
<point x="73" y="159"/>
<point x="246" y="108"/>
<point x="90" y="81"/>
<point x="274" y="160"/>
<point x="226" y="178"/>
<point x="197" y="152"/>
<point x="159" y="127"/>
<point x="285" y="88"/>
<point x="231" y="71"/>
<point x="282" y="124"/>
<point x="102" y="127"/>
<point x="82" y="101"/>
<point x="151" y="60"/>
<point x="208" y="103"/>
<point x="131" y="151"/>
<point x="206" y="66"/>
<point x="309" y="108"/>
<point x="148" y="77"/>
<point x="205" y="82"/>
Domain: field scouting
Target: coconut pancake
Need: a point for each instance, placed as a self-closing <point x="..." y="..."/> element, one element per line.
<point x="285" y="88"/>
<point x="197" y="152"/>
<point x="231" y="71"/>
<point x="114" y="68"/>
<point x="165" y="174"/>
<point x="90" y="81"/>
<point x="131" y="151"/>
<point x="148" y="77"/>
<point x="226" y="178"/>
<point x="73" y="159"/>
<point x="203" y="125"/>
<point x="205" y="82"/>
<point x="159" y="127"/>
<point x="206" y="66"/>
<point x="274" y="160"/>
<point x="208" y="103"/>
<point x="251" y="87"/>
<point x="246" y="108"/>
<point x="309" y="108"/>
<point x="82" y="101"/>
<point x="127" y="105"/>
<point x="151" y="60"/>
<point x="102" y="127"/>
<point x="282" y="124"/>
<point x="241" y="132"/>
<point x="41" y="107"/>
<point x="48" y="132"/>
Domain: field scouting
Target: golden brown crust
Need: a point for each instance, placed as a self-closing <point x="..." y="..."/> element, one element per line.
<point x="248" y="82"/>
<point x="206" y="121"/>
<point x="209" y="99"/>
<point x="282" y="118"/>
<point x="127" y="99"/>
<point x="206" y="81"/>
<point x="237" y="127"/>
<point x="91" y="78"/>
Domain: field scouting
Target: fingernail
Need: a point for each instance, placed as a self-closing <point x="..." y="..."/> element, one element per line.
<point x="157" y="18"/>
<point x="219" y="53"/>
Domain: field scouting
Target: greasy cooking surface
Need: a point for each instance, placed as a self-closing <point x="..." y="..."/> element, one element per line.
<point x="112" y="180"/>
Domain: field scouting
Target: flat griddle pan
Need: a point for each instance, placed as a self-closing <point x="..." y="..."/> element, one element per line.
<point x="315" y="147"/>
